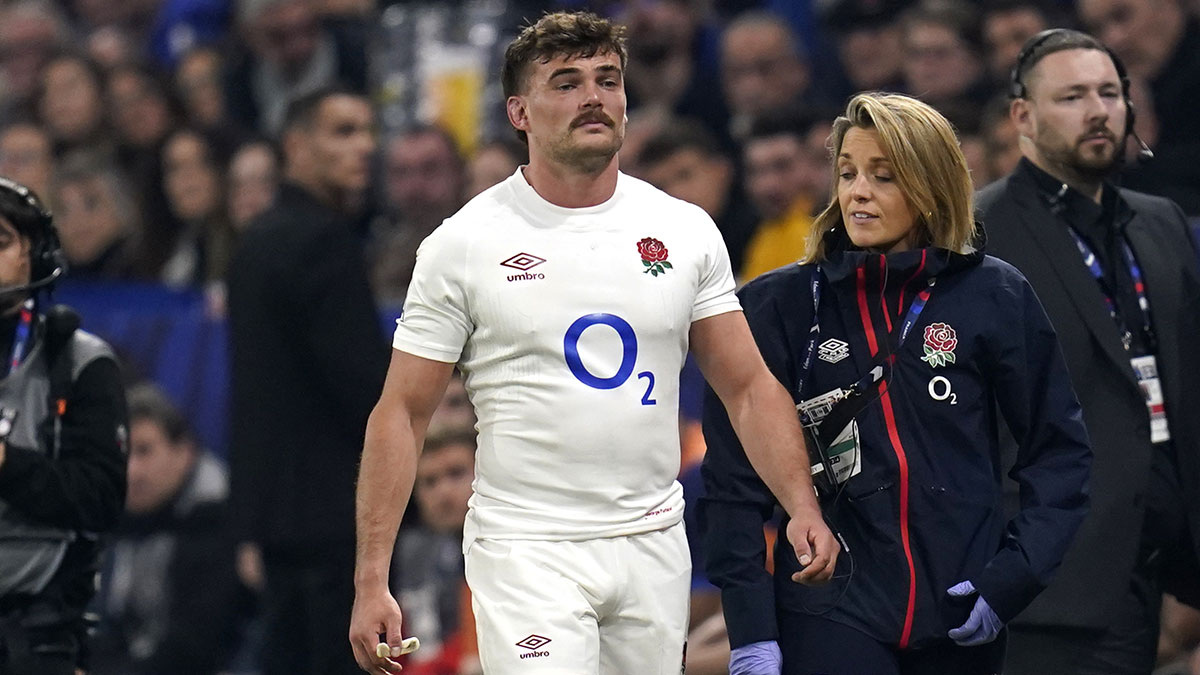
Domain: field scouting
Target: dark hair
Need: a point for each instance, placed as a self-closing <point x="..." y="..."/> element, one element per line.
<point x="147" y="402"/>
<point x="1048" y="42"/>
<point x="302" y="111"/>
<point x="677" y="136"/>
<point x="962" y="20"/>
<point x="561" y="34"/>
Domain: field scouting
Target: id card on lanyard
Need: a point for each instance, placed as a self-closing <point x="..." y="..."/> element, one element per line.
<point x="1145" y="368"/>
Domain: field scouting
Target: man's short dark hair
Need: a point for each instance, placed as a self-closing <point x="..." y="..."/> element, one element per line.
<point x="678" y="136"/>
<point x="560" y="34"/>
<point x="147" y="402"/>
<point x="1048" y="42"/>
<point x="302" y="111"/>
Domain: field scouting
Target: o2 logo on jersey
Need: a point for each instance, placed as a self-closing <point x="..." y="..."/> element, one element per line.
<point x="629" y="349"/>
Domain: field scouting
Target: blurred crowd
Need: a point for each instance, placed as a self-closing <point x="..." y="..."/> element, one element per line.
<point x="152" y="130"/>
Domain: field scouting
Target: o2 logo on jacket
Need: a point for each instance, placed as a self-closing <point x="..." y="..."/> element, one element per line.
<point x="629" y="349"/>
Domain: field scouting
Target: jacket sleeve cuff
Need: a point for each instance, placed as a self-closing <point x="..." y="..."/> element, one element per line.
<point x="1008" y="585"/>
<point x="750" y="614"/>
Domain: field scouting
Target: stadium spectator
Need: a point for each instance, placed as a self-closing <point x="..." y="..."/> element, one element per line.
<point x="783" y="180"/>
<point x="1159" y="42"/>
<point x="26" y="156"/>
<point x="198" y="86"/>
<point x="70" y="104"/>
<point x="59" y="492"/>
<point x="685" y="161"/>
<point x="427" y="566"/>
<point x="942" y="61"/>
<point x="1116" y="271"/>
<point x="289" y="52"/>
<point x="192" y="244"/>
<point x="97" y="218"/>
<point x="492" y="163"/>
<point x="667" y="75"/>
<point x="1002" y="139"/>
<point x="932" y="570"/>
<point x="1007" y="24"/>
<point x="424" y="177"/>
<point x="141" y="110"/>
<point x="307" y="363"/>
<point x="30" y="32"/>
<point x="570" y="479"/>
<point x="252" y="182"/>
<point x="868" y="42"/>
<point x="169" y="598"/>
<point x="764" y="69"/>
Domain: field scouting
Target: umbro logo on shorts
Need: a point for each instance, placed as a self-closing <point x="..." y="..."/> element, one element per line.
<point x="533" y="643"/>
<point x="524" y="262"/>
<point x="833" y="350"/>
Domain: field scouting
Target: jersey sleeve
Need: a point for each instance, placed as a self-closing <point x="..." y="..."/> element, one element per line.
<point x="436" y="319"/>
<point x="716" y="293"/>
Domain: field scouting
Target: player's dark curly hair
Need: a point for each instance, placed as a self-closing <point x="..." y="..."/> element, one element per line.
<point x="560" y="34"/>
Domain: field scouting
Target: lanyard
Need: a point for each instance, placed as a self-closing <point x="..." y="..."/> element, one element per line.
<point x="814" y="332"/>
<point x="21" y="336"/>
<point x="1139" y="288"/>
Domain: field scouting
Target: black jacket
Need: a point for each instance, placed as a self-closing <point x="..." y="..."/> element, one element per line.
<point x="308" y="365"/>
<point x="925" y="512"/>
<point x="1023" y="230"/>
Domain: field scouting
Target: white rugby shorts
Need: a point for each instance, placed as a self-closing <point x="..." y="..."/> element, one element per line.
<point x="609" y="606"/>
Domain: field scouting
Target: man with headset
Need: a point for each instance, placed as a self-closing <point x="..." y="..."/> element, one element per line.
<point x="1115" y="270"/>
<point x="62" y="450"/>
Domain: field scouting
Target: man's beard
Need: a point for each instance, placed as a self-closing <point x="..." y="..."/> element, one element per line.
<point x="1087" y="165"/>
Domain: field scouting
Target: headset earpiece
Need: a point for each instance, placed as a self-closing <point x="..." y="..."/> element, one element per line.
<point x="47" y="261"/>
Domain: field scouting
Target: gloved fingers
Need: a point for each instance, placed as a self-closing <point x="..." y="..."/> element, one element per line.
<point x="961" y="589"/>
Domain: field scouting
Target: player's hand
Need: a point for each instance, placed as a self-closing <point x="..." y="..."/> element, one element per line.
<point x="816" y="547"/>
<point x="376" y="617"/>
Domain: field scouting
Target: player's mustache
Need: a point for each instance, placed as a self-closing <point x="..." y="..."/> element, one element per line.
<point x="588" y="118"/>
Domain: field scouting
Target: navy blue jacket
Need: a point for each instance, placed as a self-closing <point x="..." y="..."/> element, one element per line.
<point x="926" y="511"/>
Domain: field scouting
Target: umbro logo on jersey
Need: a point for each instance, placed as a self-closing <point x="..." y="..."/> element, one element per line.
<point x="833" y="350"/>
<point x="533" y="643"/>
<point x="524" y="262"/>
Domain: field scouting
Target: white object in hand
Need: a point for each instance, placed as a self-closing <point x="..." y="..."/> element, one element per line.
<point x="408" y="646"/>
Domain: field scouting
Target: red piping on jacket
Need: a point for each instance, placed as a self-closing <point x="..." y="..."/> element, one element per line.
<point x="889" y="416"/>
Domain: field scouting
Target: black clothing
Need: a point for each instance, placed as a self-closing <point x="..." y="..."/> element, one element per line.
<point x="1173" y="172"/>
<point x="1086" y="607"/>
<point x="170" y="600"/>
<point x="57" y="496"/>
<point x="818" y="646"/>
<point x="308" y="365"/>
<point x="925" y="511"/>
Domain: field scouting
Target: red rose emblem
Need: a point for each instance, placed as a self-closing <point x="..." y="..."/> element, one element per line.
<point x="940" y="337"/>
<point x="652" y="250"/>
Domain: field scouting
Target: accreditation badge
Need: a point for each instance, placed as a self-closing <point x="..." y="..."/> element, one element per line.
<point x="1146" y="370"/>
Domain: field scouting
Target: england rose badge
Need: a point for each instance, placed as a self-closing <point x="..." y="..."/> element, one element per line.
<point x="940" y="341"/>
<point x="654" y="256"/>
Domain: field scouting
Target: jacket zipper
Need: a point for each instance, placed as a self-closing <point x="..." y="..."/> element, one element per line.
<point x="897" y="447"/>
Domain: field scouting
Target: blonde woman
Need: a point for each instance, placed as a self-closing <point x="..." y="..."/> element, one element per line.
<point x="900" y="340"/>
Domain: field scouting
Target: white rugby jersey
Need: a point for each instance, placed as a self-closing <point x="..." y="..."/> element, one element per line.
<point x="571" y="327"/>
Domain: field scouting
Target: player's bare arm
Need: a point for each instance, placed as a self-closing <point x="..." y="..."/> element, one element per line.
<point x="395" y="433"/>
<point x="765" y="421"/>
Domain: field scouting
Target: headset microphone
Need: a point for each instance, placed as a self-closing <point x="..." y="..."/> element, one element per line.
<point x="1145" y="154"/>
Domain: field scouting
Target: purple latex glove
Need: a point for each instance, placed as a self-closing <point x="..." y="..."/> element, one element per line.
<point x="982" y="626"/>
<point x="756" y="658"/>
